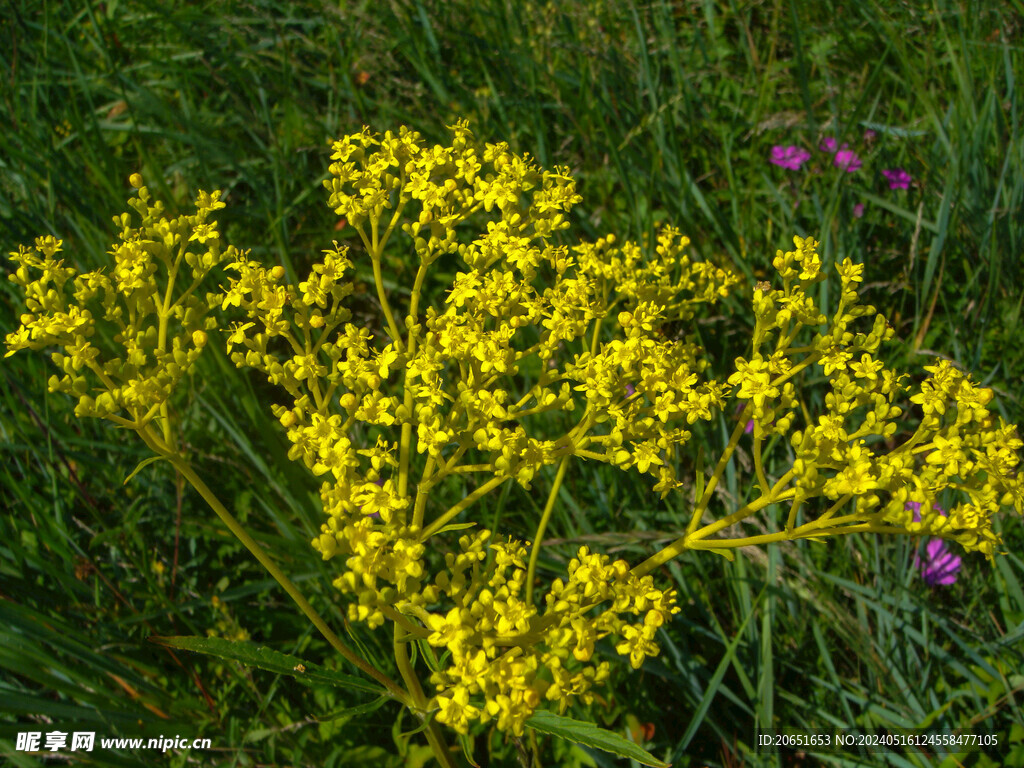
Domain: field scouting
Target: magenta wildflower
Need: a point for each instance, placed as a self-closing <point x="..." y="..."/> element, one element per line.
<point x="847" y="160"/>
<point x="858" y="210"/>
<point x="939" y="565"/>
<point x="828" y="144"/>
<point x="791" y="157"/>
<point x="869" y="135"/>
<point x="898" y="178"/>
<point x="630" y="389"/>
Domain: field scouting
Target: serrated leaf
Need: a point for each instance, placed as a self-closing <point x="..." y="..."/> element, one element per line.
<point x="269" y="660"/>
<point x="589" y="735"/>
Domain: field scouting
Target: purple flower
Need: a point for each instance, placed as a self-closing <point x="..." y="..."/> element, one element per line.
<point x="898" y="178"/>
<point x="939" y="565"/>
<point x="858" y="210"/>
<point x="869" y="135"/>
<point x="828" y="144"/>
<point x="847" y="160"/>
<point x="789" y="157"/>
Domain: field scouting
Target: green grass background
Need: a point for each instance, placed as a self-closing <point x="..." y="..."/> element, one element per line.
<point x="665" y="112"/>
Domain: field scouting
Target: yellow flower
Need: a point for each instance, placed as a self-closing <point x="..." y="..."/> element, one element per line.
<point x="754" y="379"/>
<point x="949" y="453"/>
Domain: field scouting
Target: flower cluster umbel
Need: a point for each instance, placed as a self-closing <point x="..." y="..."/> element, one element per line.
<point x="958" y="444"/>
<point x="539" y="354"/>
<point x="449" y="384"/>
<point x="158" y="324"/>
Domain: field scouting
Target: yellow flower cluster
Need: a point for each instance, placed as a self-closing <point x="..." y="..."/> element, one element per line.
<point x="516" y="656"/>
<point x="510" y="373"/>
<point x="158" y="323"/>
<point x="457" y="371"/>
<point x="958" y="446"/>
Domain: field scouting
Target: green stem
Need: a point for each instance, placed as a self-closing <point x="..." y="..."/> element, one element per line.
<point x="544" y="518"/>
<point x="434" y="735"/>
<point x="405" y="446"/>
<point x="164" y="315"/>
<point x="257" y="551"/>
<point x="440" y="523"/>
<point x="375" y="247"/>
<point x="403" y="622"/>
<point x="803" y="532"/>
<point x="793" y="510"/>
<point x="734" y="440"/>
<point x="729" y="520"/>
<point x="762" y="479"/>
<point x="422" y="490"/>
<point x="826" y="517"/>
<point x="692" y="539"/>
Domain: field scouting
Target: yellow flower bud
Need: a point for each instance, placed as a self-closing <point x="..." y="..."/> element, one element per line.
<point x="135" y="180"/>
<point x="199" y="338"/>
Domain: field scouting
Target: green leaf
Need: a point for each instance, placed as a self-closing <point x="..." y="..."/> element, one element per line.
<point x="466" y="742"/>
<point x="142" y="465"/>
<point x="455" y="527"/>
<point x="589" y="735"/>
<point x="891" y="130"/>
<point x="361" y="709"/>
<point x="725" y="552"/>
<point x="269" y="660"/>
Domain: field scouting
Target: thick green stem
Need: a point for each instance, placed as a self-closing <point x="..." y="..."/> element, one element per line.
<point x="164" y="315"/>
<point x="803" y="532"/>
